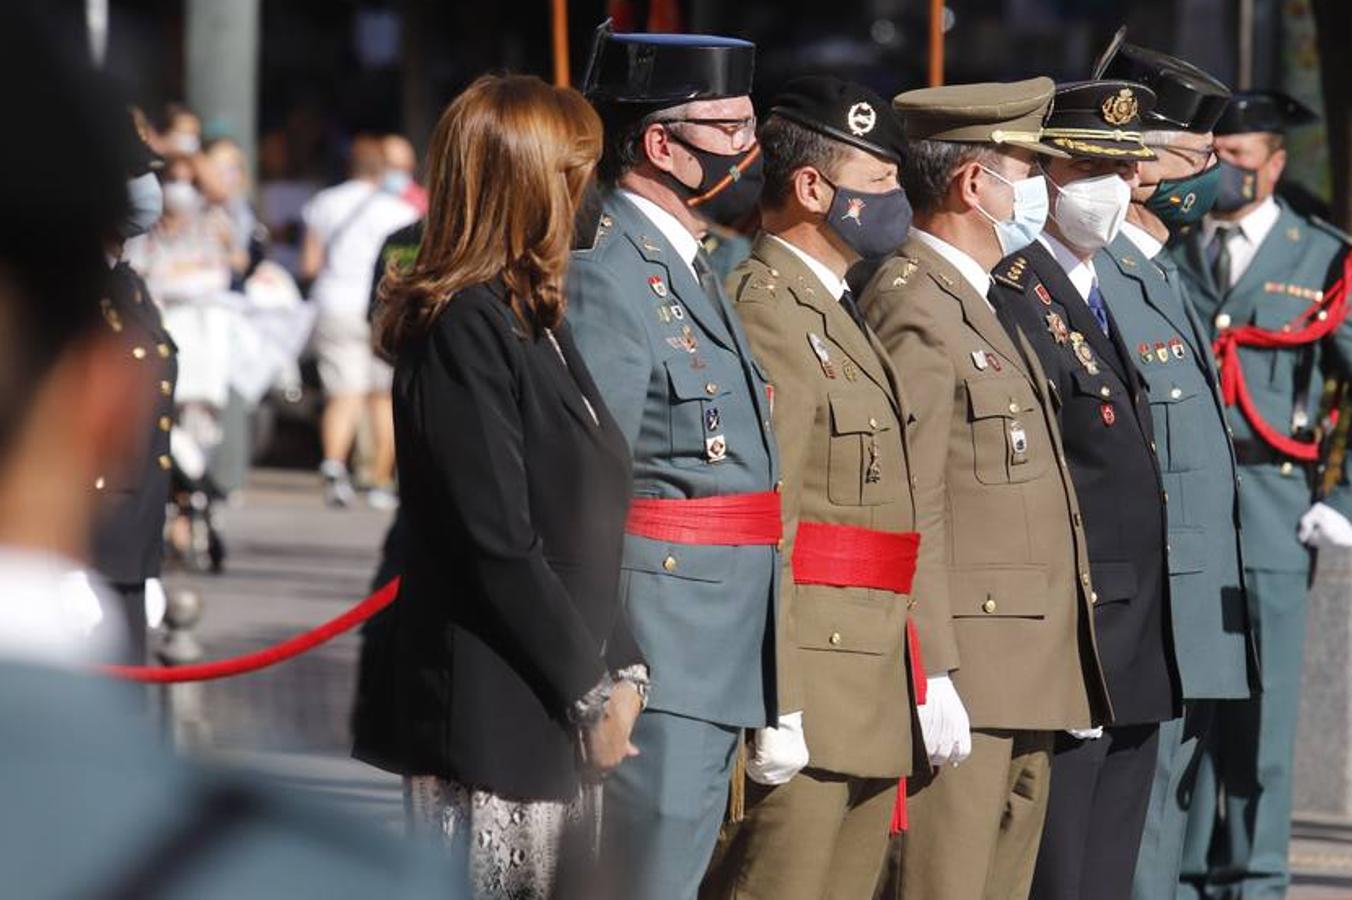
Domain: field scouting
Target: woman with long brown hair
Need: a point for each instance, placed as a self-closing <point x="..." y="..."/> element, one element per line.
<point x="517" y="680"/>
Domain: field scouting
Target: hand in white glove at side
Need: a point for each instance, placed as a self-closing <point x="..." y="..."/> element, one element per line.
<point x="1324" y="526"/>
<point x="1086" y="734"/>
<point x="944" y="721"/>
<point x="777" y="754"/>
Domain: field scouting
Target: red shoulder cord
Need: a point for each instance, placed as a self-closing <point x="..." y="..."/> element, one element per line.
<point x="1320" y="320"/>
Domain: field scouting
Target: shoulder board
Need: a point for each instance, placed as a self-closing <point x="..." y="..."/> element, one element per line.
<point x="898" y="271"/>
<point x="1013" y="273"/>
<point x="604" y="225"/>
<point x="755" y="282"/>
<point x="1331" y="229"/>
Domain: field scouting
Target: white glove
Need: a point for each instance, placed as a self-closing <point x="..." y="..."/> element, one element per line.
<point x="156" y="603"/>
<point x="944" y="722"/>
<point x="1324" y="526"/>
<point x="777" y="754"/>
<point x="1086" y="734"/>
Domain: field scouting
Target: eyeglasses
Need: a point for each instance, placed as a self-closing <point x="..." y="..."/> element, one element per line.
<point x="741" y="132"/>
<point x="1200" y="157"/>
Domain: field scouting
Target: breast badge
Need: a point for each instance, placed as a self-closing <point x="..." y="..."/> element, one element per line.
<point x="715" y="448"/>
<point x="1143" y="351"/>
<point x="1108" y="413"/>
<point x="1058" y="328"/>
<point x="1080" y="347"/>
<point x="823" y="355"/>
<point x="1176" y="347"/>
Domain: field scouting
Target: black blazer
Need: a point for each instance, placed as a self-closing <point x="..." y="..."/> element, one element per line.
<point x="1106" y="430"/>
<point x="515" y="501"/>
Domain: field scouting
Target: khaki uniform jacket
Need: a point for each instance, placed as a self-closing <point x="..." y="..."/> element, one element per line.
<point x="838" y="416"/>
<point x="1003" y="594"/>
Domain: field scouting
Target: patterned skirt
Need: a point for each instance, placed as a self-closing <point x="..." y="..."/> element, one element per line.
<point x="509" y="849"/>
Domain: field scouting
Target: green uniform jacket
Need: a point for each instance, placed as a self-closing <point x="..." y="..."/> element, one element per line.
<point x="1296" y="261"/>
<point x="1197" y="467"/>
<point x="840" y="416"/>
<point x="677" y="374"/>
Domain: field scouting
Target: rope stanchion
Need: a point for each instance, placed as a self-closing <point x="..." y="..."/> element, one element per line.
<point x="252" y="662"/>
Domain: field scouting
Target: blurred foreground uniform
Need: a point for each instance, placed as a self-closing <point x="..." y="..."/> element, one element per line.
<point x="1268" y="268"/>
<point x="700" y="566"/>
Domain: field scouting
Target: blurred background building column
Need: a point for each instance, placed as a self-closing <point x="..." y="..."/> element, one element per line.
<point x="221" y="42"/>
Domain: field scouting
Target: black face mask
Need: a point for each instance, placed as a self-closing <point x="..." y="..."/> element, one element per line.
<point x="1238" y="187"/>
<point x="731" y="185"/>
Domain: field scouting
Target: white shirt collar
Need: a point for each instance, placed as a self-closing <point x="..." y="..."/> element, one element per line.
<point x="686" y="244"/>
<point x="1254" y="226"/>
<point x="1081" y="272"/>
<point x="834" y="285"/>
<point x="49" y="607"/>
<point x="1144" y="240"/>
<point x="968" y="268"/>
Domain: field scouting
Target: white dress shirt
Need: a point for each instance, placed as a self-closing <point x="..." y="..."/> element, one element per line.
<point x="1081" y="272"/>
<point x="1245" y="240"/>
<point x="1144" y="240"/>
<point x="686" y="244"/>
<point x="834" y="284"/>
<point x="971" y="270"/>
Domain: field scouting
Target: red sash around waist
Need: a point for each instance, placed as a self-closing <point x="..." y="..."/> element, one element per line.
<point x="730" y="519"/>
<point x="847" y="556"/>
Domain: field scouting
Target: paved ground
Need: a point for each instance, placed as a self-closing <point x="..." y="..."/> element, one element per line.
<point x="294" y="564"/>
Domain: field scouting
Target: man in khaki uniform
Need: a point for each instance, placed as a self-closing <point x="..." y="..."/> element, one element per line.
<point x="850" y="543"/>
<point x="1003" y="597"/>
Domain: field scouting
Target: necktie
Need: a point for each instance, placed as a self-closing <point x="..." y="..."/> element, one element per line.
<point x="851" y="307"/>
<point x="1098" y="307"/>
<point x="1220" y="253"/>
<point x="709" y="281"/>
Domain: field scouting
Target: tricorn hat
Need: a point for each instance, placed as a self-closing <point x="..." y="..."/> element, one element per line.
<point x="1186" y="98"/>
<point x="660" y="70"/>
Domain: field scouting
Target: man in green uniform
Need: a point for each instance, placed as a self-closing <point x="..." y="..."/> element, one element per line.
<point x="1256" y="262"/>
<point x="1172" y="351"/>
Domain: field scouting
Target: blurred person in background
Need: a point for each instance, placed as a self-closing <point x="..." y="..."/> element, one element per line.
<point x="345" y="226"/>
<point x="188" y="263"/>
<point x="401" y="172"/>
<point x="515" y="676"/>
<point x="232" y="174"/>
<point x="128" y="538"/>
<point x="95" y="804"/>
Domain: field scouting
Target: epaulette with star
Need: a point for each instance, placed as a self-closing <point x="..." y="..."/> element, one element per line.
<point x="1014" y="273"/>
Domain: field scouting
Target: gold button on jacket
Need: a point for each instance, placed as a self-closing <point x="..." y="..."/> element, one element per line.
<point x="838" y="418"/>
<point x="998" y="598"/>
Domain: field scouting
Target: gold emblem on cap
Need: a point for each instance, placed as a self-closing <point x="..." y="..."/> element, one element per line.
<point x="1120" y="108"/>
<point x="861" y="119"/>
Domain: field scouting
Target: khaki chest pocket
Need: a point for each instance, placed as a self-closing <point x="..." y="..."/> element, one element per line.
<point x="1008" y="438"/>
<point x="864" y="467"/>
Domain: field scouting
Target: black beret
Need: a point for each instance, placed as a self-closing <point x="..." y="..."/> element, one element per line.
<point x="1099" y="120"/>
<point x="661" y="70"/>
<point x="842" y="110"/>
<point x="1266" y="111"/>
<point x="1186" y="98"/>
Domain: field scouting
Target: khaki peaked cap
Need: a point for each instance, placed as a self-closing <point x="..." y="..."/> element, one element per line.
<point x="1000" y="113"/>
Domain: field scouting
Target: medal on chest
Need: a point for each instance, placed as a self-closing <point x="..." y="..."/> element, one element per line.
<point x="1080" y="347"/>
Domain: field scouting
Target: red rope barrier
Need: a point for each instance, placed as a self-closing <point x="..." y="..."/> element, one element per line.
<point x="252" y="662"/>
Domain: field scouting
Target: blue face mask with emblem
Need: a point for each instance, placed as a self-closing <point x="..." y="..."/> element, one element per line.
<point x="1238" y="187"/>
<point x="872" y="225"/>
<point x="1184" y="201"/>
<point x="1029" y="215"/>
